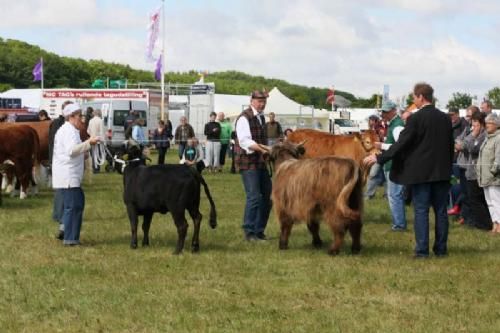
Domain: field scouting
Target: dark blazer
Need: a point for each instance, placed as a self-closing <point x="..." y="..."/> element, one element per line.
<point x="424" y="150"/>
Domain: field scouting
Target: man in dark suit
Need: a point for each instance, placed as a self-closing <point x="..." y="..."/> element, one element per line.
<point x="422" y="157"/>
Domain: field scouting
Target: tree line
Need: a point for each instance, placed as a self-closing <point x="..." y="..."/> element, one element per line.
<point x="17" y="59"/>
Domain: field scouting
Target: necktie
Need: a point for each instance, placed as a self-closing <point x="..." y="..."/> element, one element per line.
<point x="262" y="119"/>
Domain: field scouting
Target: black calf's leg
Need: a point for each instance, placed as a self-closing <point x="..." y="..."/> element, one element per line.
<point x="132" y="215"/>
<point x="145" y="228"/>
<point x="182" y="226"/>
<point x="313" y="227"/>
<point x="195" y="243"/>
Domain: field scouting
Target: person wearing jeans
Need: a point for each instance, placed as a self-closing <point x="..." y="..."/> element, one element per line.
<point x="67" y="165"/>
<point x="422" y="157"/>
<point x="249" y="160"/>
<point x="395" y="192"/>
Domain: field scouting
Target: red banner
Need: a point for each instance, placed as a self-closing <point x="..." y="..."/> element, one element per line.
<point x="92" y="94"/>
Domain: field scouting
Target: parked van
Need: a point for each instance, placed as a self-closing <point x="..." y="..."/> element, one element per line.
<point x="114" y="113"/>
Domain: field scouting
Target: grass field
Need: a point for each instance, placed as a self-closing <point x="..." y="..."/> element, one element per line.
<point x="232" y="285"/>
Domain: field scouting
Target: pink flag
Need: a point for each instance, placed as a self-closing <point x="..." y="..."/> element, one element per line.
<point x="153" y="33"/>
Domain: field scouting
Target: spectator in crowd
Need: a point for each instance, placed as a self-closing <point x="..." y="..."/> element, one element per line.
<point x="458" y="125"/>
<point x="138" y="132"/>
<point x="193" y="155"/>
<point x="67" y="173"/>
<point x="212" y="131"/>
<point x="225" y="137"/>
<point x="183" y="132"/>
<point x="58" y="206"/>
<point x="422" y="158"/>
<point x="488" y="169"/>
<point x="486" y="107"/>
<point x="129" y="121"/>
<point x="274" y="133"/>
<point x="249" y="160"/>
<point x="96" y="129"/>
<point x="463" y="162"/>
<point x="43" y="115"/>
<point x="395" y="192"/>
<point x="376" y="176"/>
<point x="161" y="139"/>
<point x="471" y="145"/>
<point x="286" y="132"/>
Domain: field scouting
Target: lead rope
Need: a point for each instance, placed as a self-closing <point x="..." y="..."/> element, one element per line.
<point x="99" y="152"/>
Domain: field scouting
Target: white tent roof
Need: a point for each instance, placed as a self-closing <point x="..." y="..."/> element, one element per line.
<point x="30" y="98"/>
<point x="278" y="103"/>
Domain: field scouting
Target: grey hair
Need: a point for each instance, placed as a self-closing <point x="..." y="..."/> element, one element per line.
<point x="492" y="118"/>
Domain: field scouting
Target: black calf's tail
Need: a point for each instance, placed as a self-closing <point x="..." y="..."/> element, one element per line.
<point x="213" y="213"/>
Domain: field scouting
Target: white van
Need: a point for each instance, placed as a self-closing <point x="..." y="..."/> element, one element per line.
<point x="114" y="113"/>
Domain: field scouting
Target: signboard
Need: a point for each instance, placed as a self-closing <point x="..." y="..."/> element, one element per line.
<point x="93" y="94"/>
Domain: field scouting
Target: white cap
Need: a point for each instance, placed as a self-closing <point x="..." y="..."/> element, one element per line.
<point x="71" y="108"/>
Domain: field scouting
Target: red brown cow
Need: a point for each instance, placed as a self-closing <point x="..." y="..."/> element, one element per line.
<point x="328" y="188"/>
<point x="42" y="129"/>
<point x="354" y="146"/>
<point x="21" y="146"/>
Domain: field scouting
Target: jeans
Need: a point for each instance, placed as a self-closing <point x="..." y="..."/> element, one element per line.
<point x="395" y="194"/>
<point x="161" y="155"/>
<point x="182" y="147"/>
<point x="425" y="195"/>
<point x="375" y="179"/>
<point x="258" y="188"/>
<point x="223" y="153"/>
<point x="74" y="202"/>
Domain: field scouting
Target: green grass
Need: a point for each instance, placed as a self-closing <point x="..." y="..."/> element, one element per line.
<point x="231" y="285"/>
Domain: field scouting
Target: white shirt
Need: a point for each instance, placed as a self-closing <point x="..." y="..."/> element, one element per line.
<point x="96" y="127"/>
<point x="67" y="161"/>
<point x="244" y="134"/>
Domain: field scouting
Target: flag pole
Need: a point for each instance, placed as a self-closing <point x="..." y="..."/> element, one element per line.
<point x="162" y="114"/>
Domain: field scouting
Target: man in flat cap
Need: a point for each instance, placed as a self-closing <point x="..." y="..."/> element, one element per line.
<point x="249" y="160"/>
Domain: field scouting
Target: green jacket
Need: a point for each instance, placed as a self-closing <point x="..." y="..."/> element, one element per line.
<point x="395" y="122"/>
<point x="225" y="132"/>
<point x="488" y="163"/>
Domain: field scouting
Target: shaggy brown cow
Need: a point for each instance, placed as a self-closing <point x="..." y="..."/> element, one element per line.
<point x="310" y="189"/>
<point x="20" y="145"/>
<point x="354" y="146"/>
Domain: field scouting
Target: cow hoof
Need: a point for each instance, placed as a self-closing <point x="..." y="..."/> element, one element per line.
<point x="145" y="243"/>
<point x="23" y="196"/>
<point x="283" y="246"/>
<point x="213" y="225"/>
<point x="333" y="252"/>
<point x="355" y="251"/>
<point x="195" y="248"/>
<point x="318" y="244"/>
<point x="133" y="246"/>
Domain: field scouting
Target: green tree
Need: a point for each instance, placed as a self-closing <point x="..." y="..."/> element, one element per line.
<point x="494" y="96"/>
<point x="460" y="101"/>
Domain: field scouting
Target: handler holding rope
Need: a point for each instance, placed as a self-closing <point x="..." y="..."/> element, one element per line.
<point x="249" y="160"/>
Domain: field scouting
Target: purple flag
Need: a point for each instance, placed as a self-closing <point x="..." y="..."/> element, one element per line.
<point x="38" y="71"/>
<point x="153" y="33"/>
<point x="158" y="68"/>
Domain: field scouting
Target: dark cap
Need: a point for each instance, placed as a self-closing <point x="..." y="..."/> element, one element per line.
<point x="257" y="94"/>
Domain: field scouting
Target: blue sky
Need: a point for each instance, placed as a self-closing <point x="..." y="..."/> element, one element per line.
<point x="358" y="46"/>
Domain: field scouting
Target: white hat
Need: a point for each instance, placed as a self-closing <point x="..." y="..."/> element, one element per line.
<point x="71" y="108"/>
